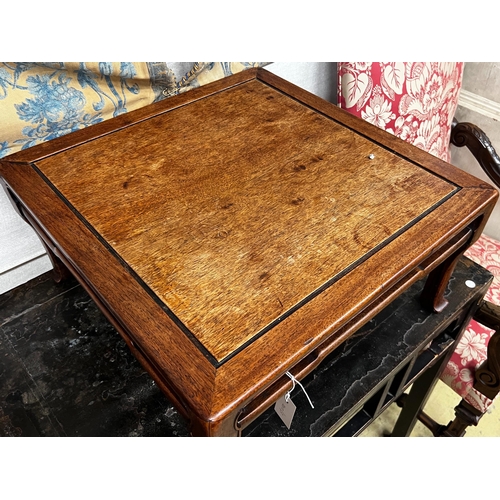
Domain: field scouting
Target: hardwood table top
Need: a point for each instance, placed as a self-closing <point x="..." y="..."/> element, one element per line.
<point x="235" y="230"/>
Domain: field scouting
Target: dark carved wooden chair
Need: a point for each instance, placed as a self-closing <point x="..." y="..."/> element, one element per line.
<point x="473" y="371"/>
<point x="417" y="102"/>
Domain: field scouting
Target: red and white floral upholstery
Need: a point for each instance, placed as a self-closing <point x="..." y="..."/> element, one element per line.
<point x="414" y="101"/>
<point x="472" y="348"/>
<point x="417" y="103"/>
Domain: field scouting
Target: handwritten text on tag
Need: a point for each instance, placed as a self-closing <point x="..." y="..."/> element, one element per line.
<point x="285" y="409"/>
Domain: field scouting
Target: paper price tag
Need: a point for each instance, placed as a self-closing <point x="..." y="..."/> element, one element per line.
<point x="285" y="409"/>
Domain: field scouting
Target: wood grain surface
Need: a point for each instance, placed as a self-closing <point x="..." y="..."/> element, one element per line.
<point x="242" y="230"/>
<point x="236" y="208"/>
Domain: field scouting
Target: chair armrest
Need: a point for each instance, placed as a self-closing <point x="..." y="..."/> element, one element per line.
<point x="487" y="377"/>
<point x="478" y="143"/>
<point x="488" y="315"/>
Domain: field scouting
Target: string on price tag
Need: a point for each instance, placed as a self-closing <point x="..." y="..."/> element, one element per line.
<point x="285" y="407"/>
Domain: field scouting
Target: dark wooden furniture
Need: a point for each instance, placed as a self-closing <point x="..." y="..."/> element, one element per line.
<point x="67" y="372"/>
<point x="403" y="346"/>
<point x="243" y="230"/>
<point x="486" y="381"/>
<point x="487" y="376"/>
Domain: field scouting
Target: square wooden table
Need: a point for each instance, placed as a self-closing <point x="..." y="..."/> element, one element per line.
<point x="244" y="230"/>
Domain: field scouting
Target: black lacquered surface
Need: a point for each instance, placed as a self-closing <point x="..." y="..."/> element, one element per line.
<point x="65" y="371"/>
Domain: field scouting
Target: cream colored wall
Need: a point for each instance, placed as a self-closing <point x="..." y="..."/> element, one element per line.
<point x="480" y="104"/>
<point x="317" y="77"/>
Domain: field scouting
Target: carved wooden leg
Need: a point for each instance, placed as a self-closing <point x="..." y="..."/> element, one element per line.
<point x="487" y="382"/>
<point x="59" y="270"/>
<point x="435" y="287"/>
<point x="487" y="376"/>
<point x="465" y="416"/>
<point x="413" y="402"/>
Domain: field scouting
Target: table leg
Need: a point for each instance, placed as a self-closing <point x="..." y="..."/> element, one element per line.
<point x="421" y="389"/>
<point x="435" y="286"/>
<point x="415" y="401"/>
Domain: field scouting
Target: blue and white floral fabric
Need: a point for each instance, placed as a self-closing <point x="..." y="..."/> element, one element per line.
<point x="42" y="101"/>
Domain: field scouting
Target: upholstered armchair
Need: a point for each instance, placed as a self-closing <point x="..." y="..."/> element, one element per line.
<point x="417" y="102"/>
